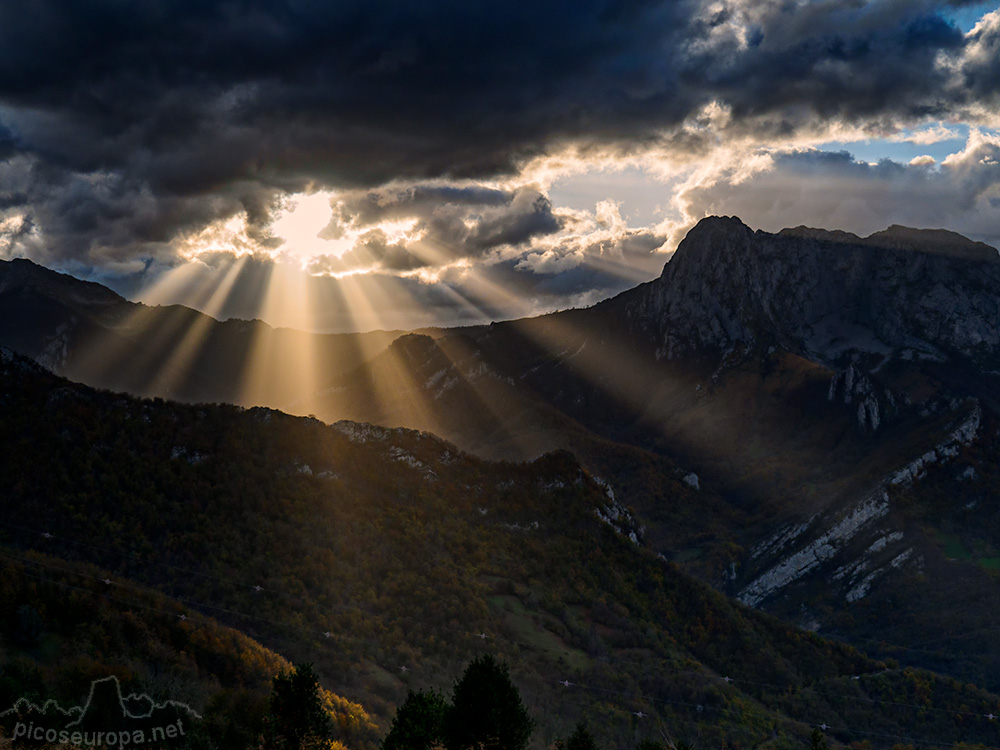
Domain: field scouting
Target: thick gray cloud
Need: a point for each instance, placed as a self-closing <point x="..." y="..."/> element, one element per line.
<point x="834" y="191"/>
<point x="124" y="125"/>
<point x="980" y="65"/>
<point x="448" y="223"/>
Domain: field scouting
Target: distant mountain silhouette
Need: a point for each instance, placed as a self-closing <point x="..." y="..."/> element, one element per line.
<point x="88" y="333"/>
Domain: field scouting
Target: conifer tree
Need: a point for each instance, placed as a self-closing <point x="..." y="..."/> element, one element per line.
<point x="296" y="719"/>
<point x="581" y="739"/>
<point x="419" y="722"/>
<point x="486" y="710"/>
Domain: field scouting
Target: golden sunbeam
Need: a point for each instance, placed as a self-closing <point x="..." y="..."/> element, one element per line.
<point x="280" y="364"/>
<point x="215" y="303"/>
<point x="191" y="284"/>
<point x="172" y="350"/>
<point x="337" y="352"/>
<point x="431" y="253"/>
<point x="467" y="301"/>
<point x="369" y="296"/>
<point x="258" y="361"/>
<point x="600" y="357"/>
<point x="494" y="402"/>
<point x="504" y="419"/>
<point x="135" y="353"/>
<point x="391" y="372"/>
<point x="297" y="351"/>
<point x="331" y="353"/>
<point x="253" y="378"/>
<point x="190" y="349"/>
<point x="485" y="291"/>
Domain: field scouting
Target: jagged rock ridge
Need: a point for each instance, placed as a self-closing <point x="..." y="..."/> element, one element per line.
<point x="830" y="296"/>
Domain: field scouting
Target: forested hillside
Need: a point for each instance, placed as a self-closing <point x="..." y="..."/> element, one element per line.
<point x="389" y="559"/>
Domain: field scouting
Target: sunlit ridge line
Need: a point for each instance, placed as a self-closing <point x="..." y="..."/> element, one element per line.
<point x="389" y="374"/>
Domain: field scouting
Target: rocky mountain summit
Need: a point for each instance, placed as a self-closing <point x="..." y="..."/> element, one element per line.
<point x="833" y="297"/>
<point x="898" y="332"/>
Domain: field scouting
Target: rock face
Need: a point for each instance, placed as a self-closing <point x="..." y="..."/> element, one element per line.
<point x="830" y="296"/>
<point x="907" y="324"/>
<point x="817" y="552"/>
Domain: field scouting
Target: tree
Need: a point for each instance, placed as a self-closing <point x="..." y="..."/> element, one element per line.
<point x="30" y="626"/>
<point x="296" y="719"/>
<point x="486" y="710"/>
<point x="581" y="739"/>
<point x="419" y="722"/>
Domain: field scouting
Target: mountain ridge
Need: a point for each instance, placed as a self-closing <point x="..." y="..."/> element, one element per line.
<point x="807" y="372"/>
<point x="896" y="236"/>
<point x="375" y="548"/>
<point x="814" y="384"/>
<point x="728" y="286"/>
<point x="91" y="334"/>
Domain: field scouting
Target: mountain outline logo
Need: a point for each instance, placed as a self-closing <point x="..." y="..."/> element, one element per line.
<point x="105" y="719"/>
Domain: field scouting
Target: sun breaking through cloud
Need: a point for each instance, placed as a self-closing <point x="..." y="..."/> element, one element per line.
<point x="558" y="152"/>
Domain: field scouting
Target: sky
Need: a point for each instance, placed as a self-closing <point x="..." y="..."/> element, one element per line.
<point x="354" y="165"/>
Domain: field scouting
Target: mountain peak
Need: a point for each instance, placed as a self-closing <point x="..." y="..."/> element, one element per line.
<point x="414" y="345"/>
<point x="711" y="233"/>
<point x="934" y="241"/>
<point x="825" y="295"/>
<point x="21" y="274"/>
<point x="822" y="235"/>
<point x="721" y="223"/>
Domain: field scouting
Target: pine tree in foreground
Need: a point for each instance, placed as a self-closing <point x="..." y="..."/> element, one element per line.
<point x="486" y="710"/>
<point x="296" y="719"/>
<point x="581" y="739"/>
<point x="419" y="722"/>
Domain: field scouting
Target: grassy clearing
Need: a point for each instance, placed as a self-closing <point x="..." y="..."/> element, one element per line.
<point x="530" y="630"/>
<point x="954" y="548"/>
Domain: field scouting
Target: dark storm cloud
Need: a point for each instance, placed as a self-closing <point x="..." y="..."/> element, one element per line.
<point x="828" y="60"/>
<point x="252" y="89"/>
<point x="8" y="144"/>
<point x="138" y="122"/>
<point x="365" y="207"/>
<point x="373" y="249"/>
